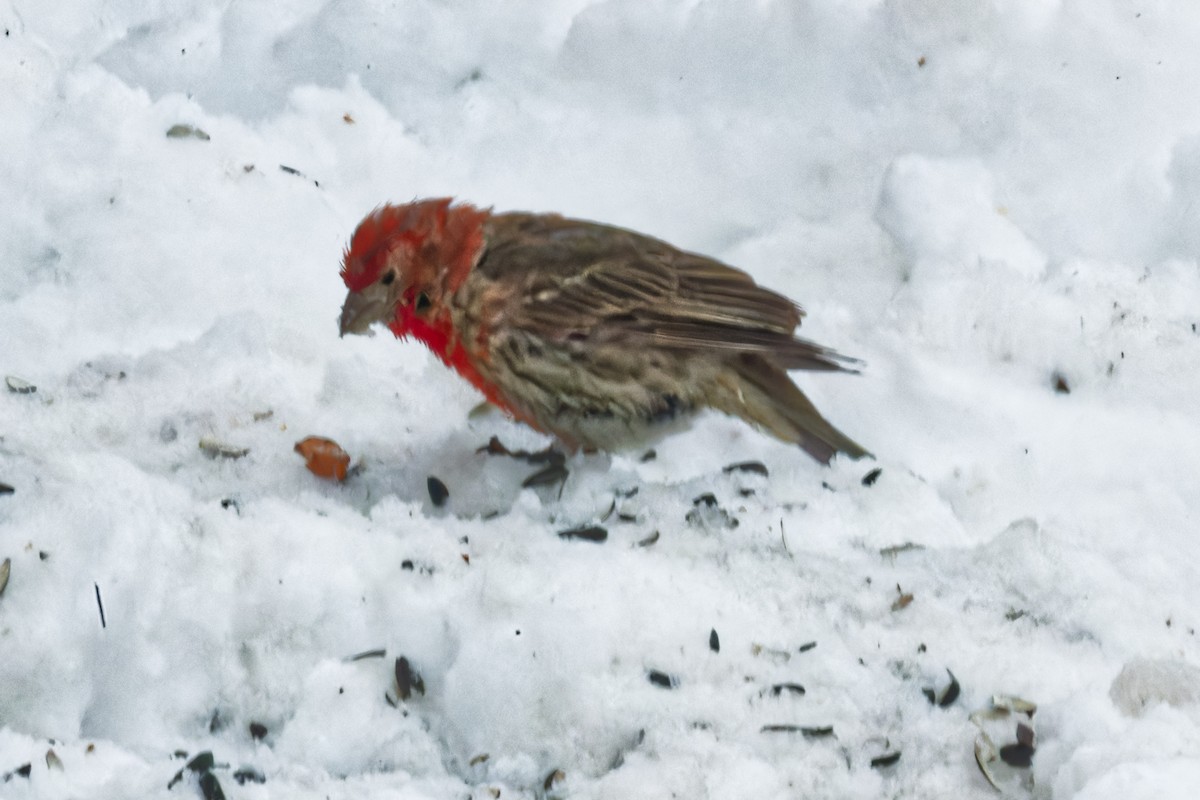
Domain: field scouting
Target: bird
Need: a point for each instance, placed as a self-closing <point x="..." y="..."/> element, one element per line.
<point x="602" y="337"/>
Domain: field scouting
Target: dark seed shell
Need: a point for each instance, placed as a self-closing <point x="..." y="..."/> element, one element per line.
<point x="756" y="467"/>
<point x="547" y="476"/>
<point x="662" y="679"/>
<point x="952" y="691"/>
<point x="1017" y="755"/>
<point x="244" y="775"/>
<point x="210" y="787"/>
<point x="438" y="493"/>
<point x="588" y="533"/>
<point x="556" y="776"/>
<point x="407" y="679"/>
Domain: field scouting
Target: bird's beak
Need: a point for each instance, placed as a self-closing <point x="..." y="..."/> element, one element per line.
<point x="360" y="311"/>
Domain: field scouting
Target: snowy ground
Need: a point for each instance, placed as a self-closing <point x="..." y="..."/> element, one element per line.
<point x="983" y="200"/>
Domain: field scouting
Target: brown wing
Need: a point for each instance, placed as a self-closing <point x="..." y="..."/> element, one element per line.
<point x="582" y="280"/>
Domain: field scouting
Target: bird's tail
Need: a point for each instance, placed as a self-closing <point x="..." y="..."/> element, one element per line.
<point x="765" y="396"/>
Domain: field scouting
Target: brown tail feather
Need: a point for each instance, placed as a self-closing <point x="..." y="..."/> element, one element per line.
<point x="766" y="397"/>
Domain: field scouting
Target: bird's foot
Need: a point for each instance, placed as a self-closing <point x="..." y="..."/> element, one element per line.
<point x="554" y="471"/>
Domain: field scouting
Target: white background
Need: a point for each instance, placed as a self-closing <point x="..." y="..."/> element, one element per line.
<point x="973" y="197"/>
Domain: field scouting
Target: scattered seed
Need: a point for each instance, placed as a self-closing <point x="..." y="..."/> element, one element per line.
<point x="479" y="759"/>
<point x="985" y="754"/>
<point x="872" y="476"/>
<point x="100" y="605"/>
<point x="178" y="754"/>
<point x="649" y="540"/>
<point x="756" y="467"/>
<point x="920" y="63"/>
<point x="547" y="476"/>
<point x="588" y="533"/>
<point x="229" y="502"/>
<point x="6" y="489"/>
<point x="244" y="775"/>
<point x="291" y="170"/>
<point x="22" y="771"/>
<point x="187" y="132"/>
<point x="714" y="641"/>
<point x="19" y="385"/>
<point x="897" y="549"/>
<point x="1014" y="704"/>
<point x="258" y="731"/>
<point x="324" y="458"/>
<point x="611" y="508"/>
<point x="885" y="760"/>
<point x="649" y="455"/>
<point x="438" y="493"/>
<point x="792" y="688"/>
<point x="5" y="571"/>
<point x="202" y="763"/>
<point x="364" y="655"/>
<point x="1017" y="755"/>
<point x="407" y="679"/>
<point x="662" y="679"/>
<point x="902" y="601"/>
<point x="213" y="449"/>
<point x="804" y="648"/>
<point x="806" y="732"/>
<point x="53" y="761"/>
<point x="557" y="776"/>
<point x="210" y="787"/>
<point x="781" y="656"/>
<point x="1060" y="383"/>
<point x="951" y="693"/>
<point x="346" y="118"/>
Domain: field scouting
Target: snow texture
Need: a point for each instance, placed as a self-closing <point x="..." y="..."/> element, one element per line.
<point x="994" y="203"/>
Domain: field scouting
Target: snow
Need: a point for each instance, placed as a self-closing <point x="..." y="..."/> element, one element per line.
<point x="976" y="198"/>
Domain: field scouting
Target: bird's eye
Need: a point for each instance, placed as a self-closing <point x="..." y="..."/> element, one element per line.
<point x="423" y="301"/>
<point x="388" y="278"/>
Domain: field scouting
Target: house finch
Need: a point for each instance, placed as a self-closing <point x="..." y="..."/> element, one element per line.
<point x="592" y="333"/>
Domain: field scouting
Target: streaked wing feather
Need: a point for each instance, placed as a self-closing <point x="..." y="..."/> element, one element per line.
<point x="614" y="285"/>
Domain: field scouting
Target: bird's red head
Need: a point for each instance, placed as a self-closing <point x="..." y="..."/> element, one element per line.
<point x="404" y="260"/>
